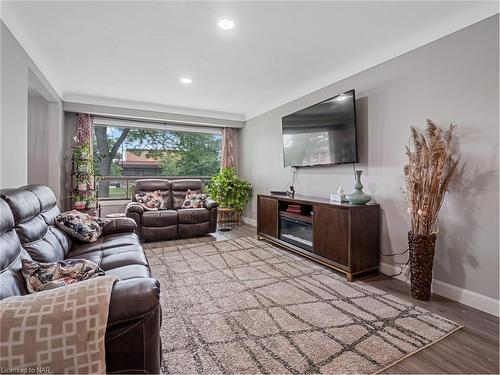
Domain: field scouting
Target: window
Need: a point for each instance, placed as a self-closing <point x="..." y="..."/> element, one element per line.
<point x="122" y="152"/>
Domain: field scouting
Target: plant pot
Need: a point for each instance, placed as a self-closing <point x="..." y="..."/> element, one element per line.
<point x="82" y="186"/>
<point x="83" y="168"/>
<point x="421" y="262"/>
<point x="226" y="219"/>
<point x="79" y="205"/>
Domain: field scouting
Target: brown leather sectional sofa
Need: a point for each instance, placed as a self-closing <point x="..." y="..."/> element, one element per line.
<point x="172" y="222"/>
<point x="27" y="230"/>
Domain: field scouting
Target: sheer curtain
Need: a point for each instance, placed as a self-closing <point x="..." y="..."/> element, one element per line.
<point x="228" y="157"/>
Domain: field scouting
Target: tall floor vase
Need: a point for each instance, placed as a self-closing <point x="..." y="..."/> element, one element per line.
<point x="421" y="263"/>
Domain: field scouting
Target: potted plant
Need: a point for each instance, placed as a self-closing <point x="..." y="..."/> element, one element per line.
<point x="229" y="191"/>
<point x="432" y="161"/>
<point x="91" y="202"/>
<point x="79" y="202"/>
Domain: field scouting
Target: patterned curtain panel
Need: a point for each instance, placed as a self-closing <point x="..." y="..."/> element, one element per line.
<point x="227" y="157"/>
<point x="83" y="133"/>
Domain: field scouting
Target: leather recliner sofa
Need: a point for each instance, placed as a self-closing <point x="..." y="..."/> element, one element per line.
<point x="171" y="222"/>
<point x="27" y="230"/>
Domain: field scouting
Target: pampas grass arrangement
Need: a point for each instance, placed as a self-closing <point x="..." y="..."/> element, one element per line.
<point x="432" y="161"/>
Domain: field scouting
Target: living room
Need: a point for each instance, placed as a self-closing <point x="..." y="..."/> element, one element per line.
<point x="249" y="187"/>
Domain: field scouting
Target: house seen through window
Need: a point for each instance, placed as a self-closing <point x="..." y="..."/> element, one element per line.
<point x="125" y="154"/>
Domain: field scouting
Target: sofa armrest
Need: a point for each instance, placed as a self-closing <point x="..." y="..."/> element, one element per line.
<point x="134" y="207"/>
<point x="131" y="299"/>
<point x="120" y="225"/>
<point x="134" y="211"/>
<point x="133" y="344"/>
<point x="209" y="204"/>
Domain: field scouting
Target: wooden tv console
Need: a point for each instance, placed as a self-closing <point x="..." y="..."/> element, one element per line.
<point x="342" y="236"/>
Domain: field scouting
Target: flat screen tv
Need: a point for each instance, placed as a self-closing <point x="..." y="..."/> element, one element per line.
<point x="322" y="134"/>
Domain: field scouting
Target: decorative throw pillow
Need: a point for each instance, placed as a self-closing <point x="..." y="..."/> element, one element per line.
<point x="193" y="200"/>
<point x="150" y="200"/>
<point x="45" y="276"/>
<point x="81" y="226"/>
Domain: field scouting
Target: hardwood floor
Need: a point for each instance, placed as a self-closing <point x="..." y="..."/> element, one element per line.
<point x="471" y="350"/>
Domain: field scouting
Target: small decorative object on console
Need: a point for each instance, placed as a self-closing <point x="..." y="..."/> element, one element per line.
<point x="339" y="196"/>
<point x="358" y="196"/>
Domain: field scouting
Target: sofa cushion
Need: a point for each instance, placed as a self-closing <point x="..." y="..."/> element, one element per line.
<point x="34" y="209"/>
<point x="193" y="215"/>
<point x="163" y="218"/>
<point x="107" y="241"/>
<point x="134" y="271"/>
<point x="108" y="259"/>
<point x="11" y="279"/>
<point x="112" y="251"/>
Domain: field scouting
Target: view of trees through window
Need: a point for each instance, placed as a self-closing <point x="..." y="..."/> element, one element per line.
<point x="151" y="152"/>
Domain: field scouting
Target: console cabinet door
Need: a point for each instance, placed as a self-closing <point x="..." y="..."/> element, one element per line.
<point x="331" y="233"/>
<point x="267" y="216"/>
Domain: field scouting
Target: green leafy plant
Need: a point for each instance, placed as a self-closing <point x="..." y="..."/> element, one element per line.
<point x="77" y="198"/>
<point x="91" y="202"/>
<point x="229" y="191"/>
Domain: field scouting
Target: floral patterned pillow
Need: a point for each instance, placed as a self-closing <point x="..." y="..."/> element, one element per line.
<point x="193" y="200"/>
<point x="45" y="276"/>
<point x="81" y="226"/>
<point x="150" y="200"/>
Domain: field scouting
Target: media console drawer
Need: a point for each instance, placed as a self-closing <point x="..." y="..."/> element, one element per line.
<point x="342" y="236"/>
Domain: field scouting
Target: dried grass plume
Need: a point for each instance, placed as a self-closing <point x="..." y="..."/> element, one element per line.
<point x="432" y="161"/>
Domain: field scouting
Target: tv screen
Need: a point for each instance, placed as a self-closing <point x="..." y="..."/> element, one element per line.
<point x="322" y="134"/>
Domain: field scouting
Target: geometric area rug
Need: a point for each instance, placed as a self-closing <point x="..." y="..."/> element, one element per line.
<point x="245" y="306"/>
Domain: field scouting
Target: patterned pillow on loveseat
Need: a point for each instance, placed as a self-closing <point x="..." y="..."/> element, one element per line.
<point x="193" y="200"/>
<point x="150" y="200"/>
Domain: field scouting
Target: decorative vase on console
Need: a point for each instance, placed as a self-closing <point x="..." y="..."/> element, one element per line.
<point x="358" y="196"/>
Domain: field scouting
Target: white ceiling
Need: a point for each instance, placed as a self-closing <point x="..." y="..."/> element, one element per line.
<point x="134" y="52"/>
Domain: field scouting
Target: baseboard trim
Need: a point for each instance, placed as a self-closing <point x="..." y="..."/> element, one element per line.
<point x="464" y="296"/>
<point x="249" y="221"/>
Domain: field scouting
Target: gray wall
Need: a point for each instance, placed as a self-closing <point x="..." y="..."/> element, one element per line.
<point x="454" y="79"/>
<point x="19" y="75"/>
<point x="38" y="152"/>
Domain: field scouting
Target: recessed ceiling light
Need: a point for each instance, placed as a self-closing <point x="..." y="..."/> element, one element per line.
<point x="226" y="24"/>
<point x="186" y="80"/>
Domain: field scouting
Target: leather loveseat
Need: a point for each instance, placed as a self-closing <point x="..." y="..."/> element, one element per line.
<point x="27" y="230"/>
<point x="172" y="221"/>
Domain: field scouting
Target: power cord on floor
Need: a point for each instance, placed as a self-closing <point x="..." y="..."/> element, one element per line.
<point x="402" y="265"/>
<point x="394" y="254"/>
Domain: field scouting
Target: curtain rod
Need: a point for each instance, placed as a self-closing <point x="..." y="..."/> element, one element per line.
<point x="158" y="125"/>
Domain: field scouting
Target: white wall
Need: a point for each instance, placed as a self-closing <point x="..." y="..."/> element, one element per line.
<point x="18" y="74"/>
<point x="454" y="79"/>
